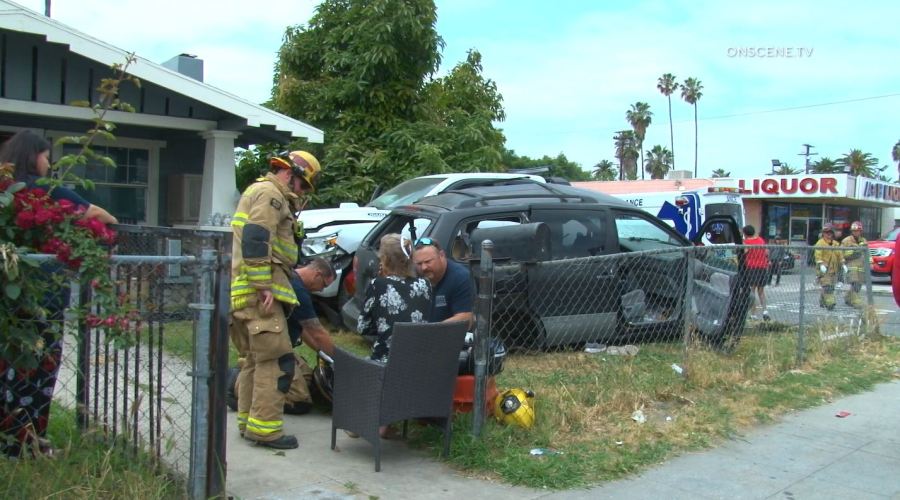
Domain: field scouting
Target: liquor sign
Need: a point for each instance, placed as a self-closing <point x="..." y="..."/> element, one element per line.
<point x="795" y="186"/>
<point x="878" y="191"/>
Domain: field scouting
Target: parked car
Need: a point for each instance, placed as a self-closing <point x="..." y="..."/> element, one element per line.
<point x="550" y="290"/>
<point x="882" y="252"/>
<point x="335" y="233"/>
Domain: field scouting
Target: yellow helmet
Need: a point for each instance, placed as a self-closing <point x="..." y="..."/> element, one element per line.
<point x="301" y="163"/>
<point x="513" y="407"/>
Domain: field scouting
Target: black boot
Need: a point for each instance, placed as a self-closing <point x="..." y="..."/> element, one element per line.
<point x="285" y="442"/>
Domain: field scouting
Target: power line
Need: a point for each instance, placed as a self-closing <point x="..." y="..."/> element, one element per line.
<point x="794" y="108"/>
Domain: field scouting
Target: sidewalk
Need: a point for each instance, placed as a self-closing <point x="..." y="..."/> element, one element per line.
<point x="809" y="454"/>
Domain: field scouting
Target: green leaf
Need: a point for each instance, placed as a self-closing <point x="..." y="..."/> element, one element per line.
<point x="13" y="290"/>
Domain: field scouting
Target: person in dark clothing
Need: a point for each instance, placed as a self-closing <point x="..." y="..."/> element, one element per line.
<point x="454" y="291"/>
<point x="27" y="393"/>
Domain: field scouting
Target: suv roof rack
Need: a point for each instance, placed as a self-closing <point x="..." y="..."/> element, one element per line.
<point x="552" y="193"/>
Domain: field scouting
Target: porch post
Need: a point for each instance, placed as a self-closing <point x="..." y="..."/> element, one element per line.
<point x="217" y="197"/>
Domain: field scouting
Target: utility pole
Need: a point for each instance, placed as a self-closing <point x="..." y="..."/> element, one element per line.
<point x="807" y="154"/>
<point x="47" y="8"/>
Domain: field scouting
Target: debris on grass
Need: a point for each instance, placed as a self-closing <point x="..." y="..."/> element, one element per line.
<point x="638" y="416"/>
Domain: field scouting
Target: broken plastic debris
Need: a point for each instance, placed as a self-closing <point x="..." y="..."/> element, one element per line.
<point x="668" y="418"/>
<point x="620" y="443"/>
<point x="842" y="414"/>
<point x="679" y="370"/>
<point x="638" y="416"/>
<point x="624" y="350"/>
<point x="545" y="451"/>
<point x="594" y="348"/>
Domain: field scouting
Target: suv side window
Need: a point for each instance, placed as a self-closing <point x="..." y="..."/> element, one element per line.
<point x="397" y="223"/>
<point x="636" y="233"/>
<point x="574" y="233"/>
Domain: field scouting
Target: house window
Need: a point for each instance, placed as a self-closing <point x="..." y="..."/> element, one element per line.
<point x="121" y="190"/>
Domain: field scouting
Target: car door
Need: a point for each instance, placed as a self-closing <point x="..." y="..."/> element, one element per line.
<point x="574" y="290"/>
<point x="719" y="291"/>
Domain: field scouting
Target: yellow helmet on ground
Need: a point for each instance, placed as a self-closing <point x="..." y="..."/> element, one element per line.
<point x="301" y="163"/>
<point x="513" y="407"/>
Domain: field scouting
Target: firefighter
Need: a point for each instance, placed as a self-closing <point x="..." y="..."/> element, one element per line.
<point x="857" y="261"/>
<point x="264" y="253"/>
<point x="828" y="263"/>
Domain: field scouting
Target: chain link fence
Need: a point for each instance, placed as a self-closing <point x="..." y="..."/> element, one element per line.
<point x="693" y="306"/>
<point x="152" y="395"/>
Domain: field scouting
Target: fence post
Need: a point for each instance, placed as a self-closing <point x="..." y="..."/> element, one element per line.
<point x="200" y="377"/>
<point x="82" y="295"/>
<point x="482" y="333"/>
<point x="870" y="297"/>
<point x="801" y="327"/>
<point x="217" y="465"/>
<point x="687" y="308"/>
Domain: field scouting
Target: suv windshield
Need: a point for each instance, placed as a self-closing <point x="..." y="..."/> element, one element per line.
<point x="730" y="209"/>
<point x="892" y="236"/>
<point x="405" y="193"/>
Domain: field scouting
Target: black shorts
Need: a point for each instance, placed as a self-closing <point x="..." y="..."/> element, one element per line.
<point x="757" y="276"/>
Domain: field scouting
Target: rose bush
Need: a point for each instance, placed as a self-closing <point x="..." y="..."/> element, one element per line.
<point x="34" y="223"/>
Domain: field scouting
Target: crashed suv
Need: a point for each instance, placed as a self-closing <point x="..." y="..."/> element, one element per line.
<point x="334" y="233"/>
<point x="559" y="274"/>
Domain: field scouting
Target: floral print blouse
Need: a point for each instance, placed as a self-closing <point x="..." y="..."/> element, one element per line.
<point x="390" y="299"/>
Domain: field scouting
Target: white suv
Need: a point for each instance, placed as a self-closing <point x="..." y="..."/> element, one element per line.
<point x="335" y="233"/>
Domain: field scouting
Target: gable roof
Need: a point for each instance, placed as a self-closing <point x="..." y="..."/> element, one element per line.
<point x="17" y="18"/>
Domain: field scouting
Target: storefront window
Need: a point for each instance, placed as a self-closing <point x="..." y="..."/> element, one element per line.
<point x="777" y="223"/>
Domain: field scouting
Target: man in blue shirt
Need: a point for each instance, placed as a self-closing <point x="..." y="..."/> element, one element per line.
<point x="454" y="291"/>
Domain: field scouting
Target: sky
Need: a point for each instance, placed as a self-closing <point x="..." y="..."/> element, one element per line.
<point x="775" y="75"/>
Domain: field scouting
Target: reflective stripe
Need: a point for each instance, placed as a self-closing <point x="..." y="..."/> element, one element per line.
<point x="287" y="250"/>
<point x="242" y="418"/>
<point x="239" y="219"/>
<point x="263" y="427"/>
<point x="284" y="294"/>
<point x="238" y="303"/>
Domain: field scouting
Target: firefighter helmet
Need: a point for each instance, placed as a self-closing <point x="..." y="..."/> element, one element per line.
<point x="301" y="163"/>
<point x="828" y="228"/>
<point x="513" y="406"/>
<point x="856" y="226"/>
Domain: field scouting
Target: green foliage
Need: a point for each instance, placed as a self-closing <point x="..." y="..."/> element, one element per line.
<point x="556" y="167"/>
<point x="627" y="153"/>
<point x="363" y="72"/>
<point x="858" y="163"/>
<point x="604" y="171"/>
<point x="720" y="173"/>
<point x="659" y="162"/>
<point x="826" y="166"/>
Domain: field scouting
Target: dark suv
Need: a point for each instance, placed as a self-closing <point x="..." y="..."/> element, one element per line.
<point x="559" y="276"/>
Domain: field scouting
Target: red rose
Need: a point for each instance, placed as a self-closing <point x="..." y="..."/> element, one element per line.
<point x="25" y="219"/>
<point x="67" y="206"/>
<point x="43" y="216"/>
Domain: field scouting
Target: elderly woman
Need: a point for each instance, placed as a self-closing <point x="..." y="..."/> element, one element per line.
<point x="396" y="294"/>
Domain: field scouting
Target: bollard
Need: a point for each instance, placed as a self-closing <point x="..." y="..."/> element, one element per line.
<point x="482" y="333"/>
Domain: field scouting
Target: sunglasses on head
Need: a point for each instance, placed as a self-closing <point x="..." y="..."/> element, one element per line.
<point x="423" y="242"/>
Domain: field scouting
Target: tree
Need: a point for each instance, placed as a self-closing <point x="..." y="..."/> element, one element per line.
<point x="691" y="93"/>
<point x="825" y="166"/>
<point x="363" y="72"/>
<point x="858" y="163"/>
<point x="895" y="154"/>
<point x="604" y="170"/>
<point x="639" y="116"/>
<point x="560" y="166"/>
<point x="720" y="173"/>
<point x="785" y="169"/>
<point x="659" y="162"/>
<point x="667" y="86"/>
<point x="626" y="152"/>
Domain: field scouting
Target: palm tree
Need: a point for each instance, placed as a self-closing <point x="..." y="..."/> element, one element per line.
<point x="659" y="162"/>
<point x="604" y="170"/>
<point x="826" y="166"/>
<point x="626" y="152"/>
<point x="858" y="163"/>
<point x="720" y="173"/>
<point x="895" y="154"/>
<point x="639" y="116"/>
<point x="691" y="93"/>
<point x="785" y="169"/>
<point x="667" y="85"/>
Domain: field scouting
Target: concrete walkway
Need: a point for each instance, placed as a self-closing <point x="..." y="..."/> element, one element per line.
<point x="809" y="454"/>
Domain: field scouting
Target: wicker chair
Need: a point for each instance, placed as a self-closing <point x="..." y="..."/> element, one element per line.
<point x="417" y="382"/>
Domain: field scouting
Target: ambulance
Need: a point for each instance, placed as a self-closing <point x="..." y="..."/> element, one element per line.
<point x="683" y="203"/>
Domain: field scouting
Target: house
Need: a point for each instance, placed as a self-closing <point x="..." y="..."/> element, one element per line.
<point x="174" y="154"/>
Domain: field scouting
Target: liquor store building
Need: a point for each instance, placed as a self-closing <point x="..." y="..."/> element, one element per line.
<point x="793" y="208"/>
